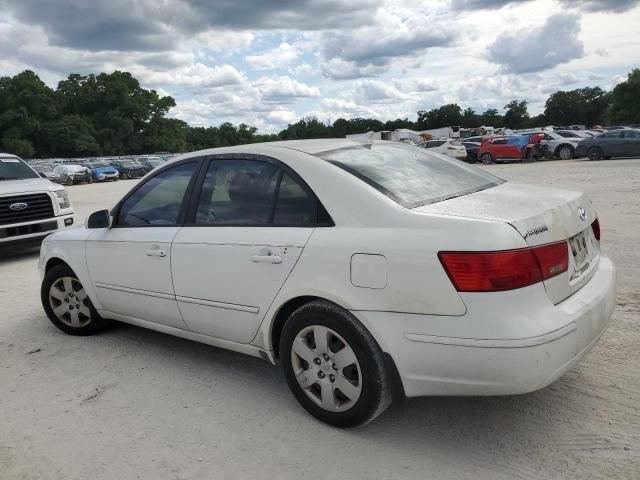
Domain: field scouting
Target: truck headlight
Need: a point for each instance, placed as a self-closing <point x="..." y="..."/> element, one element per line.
<point x="63" y="199"/>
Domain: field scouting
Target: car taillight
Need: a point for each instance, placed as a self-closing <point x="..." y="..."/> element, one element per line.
<point x="504" y="270"/>
<point x="595" y="226"/>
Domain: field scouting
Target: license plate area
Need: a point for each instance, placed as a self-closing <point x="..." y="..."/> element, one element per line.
<point x="583" y="250"/>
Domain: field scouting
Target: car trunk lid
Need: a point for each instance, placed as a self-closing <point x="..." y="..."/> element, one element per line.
<point x="542" y="215"/>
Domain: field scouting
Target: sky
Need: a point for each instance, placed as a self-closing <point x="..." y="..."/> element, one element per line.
<point x="268" y="63"/>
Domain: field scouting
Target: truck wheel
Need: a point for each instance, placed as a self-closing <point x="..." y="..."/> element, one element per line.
<point x="333" y="365"/>
<point x="67" y="304"/>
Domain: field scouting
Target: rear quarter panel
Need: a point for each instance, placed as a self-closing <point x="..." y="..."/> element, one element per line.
<point x="416" y="282"/>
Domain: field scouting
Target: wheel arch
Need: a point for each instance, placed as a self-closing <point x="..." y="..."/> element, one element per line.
<point x="54" y="261"/>
<point x="282" y="315"/>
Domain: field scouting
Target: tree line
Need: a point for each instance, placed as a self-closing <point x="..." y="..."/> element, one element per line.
<point x="111" y="114"/>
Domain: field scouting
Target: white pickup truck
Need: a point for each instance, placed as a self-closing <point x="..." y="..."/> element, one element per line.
<point x="31" y="207"/>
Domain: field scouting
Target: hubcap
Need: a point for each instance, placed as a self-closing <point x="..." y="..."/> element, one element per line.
<point x="69" y="302"/>
<point x="326" y="368"/>
<point x="565" y="154"/>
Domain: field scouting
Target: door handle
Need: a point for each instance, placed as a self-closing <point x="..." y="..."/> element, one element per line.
<point x="156" y="253"/>
<point x="266" y="258"/>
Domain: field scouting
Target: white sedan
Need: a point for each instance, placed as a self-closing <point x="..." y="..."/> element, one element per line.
<point x="448" y="146"/>
<point x="365" y="270"/>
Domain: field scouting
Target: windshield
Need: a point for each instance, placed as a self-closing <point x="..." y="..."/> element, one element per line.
<point x="409" y="175"/>
<point x="15" y="169"/>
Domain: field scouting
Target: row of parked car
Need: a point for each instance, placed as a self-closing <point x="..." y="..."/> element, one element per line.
<point x="73" y="171"/>
<point x="594" y="144"/>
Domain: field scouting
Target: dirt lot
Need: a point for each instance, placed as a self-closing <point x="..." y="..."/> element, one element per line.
<point x="134" y="404"/>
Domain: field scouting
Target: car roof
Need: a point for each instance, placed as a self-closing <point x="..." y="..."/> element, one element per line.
<point x="311" y="147"/>
<point x="8" y="155"/>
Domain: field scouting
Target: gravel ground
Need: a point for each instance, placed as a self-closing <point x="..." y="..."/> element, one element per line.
<point x="135" y="404"/>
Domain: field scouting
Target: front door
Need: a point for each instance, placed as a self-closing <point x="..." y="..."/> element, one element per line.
<point x="249" y="226"/>
<point x="130" y="263"/>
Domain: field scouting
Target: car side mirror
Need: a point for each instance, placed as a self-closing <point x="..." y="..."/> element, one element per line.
<point x="99" y="219"/>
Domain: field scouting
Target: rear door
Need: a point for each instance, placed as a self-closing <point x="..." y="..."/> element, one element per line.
<point x="612" y="144"/>
<point x="631" y="143"/>
<point x="248" y="226"/>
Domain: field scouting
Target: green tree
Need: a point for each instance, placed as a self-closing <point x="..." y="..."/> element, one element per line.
<point x="491" y="118"/>
<point x="469" y="118"/>
<point x="584" y="106"/>
<point x="516" y="115"/>
<point x="625" y="100"/>
<point x="165" y="135"/>
<point x="445" y="116"/>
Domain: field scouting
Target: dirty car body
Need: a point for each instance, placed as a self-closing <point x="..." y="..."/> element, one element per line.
<point x="466" y="284"/>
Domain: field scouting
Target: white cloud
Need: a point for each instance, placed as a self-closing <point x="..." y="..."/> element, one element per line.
<point x="284" y="89"/>
<point x="284" y="54"/>
<point x="553" y="43"/>
<point x="345" y="58"/>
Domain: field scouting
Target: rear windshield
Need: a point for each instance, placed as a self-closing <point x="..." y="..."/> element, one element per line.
<point x="15" y="169"/>
<point x="410" y="176"/>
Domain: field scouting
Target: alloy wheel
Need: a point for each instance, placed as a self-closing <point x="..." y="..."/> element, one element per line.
<point x="565" y="153"/>
<point x="326" y="368"/>
<point x="70" y="302"/>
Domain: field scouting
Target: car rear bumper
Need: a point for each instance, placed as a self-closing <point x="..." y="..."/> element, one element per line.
<point x="553" y="340"/>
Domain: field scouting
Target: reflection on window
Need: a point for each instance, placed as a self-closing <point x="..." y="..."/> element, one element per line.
<point x="158" y="200"/>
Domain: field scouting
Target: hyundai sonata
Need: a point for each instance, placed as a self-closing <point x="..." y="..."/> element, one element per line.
<point x="363" y="269"/>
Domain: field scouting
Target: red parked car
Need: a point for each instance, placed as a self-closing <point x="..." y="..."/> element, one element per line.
<point x="510" y="148"/>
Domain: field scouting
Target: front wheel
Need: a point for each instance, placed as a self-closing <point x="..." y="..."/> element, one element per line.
<point x="67" y="304"/>
<point x="333" y="365"/>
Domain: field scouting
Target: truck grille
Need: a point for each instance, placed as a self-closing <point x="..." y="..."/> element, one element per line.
<point x="39" y="206"/>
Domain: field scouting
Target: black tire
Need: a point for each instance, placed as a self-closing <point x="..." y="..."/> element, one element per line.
<point x="125" y="176"/>
<point x="472" y="158"/>
<point x="91" y="326"/>
<point x="564" y="152"/>
<point x="374" y="380"/>
<point x="595" y="153"/>
<point x="529" y="156"/>
<point x="69" y="182"/>
<point x="487" y="158"/>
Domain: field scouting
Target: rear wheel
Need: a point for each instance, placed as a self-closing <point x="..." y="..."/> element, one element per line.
<point x="487" y="158"/>
<point x="67" y="304"/>
<point x="595" y="153"/>
<point x="333" y="365"/>
<point x="69" y="181"/>
<point x="125" y="176"/>
<point x="565" y="153"/>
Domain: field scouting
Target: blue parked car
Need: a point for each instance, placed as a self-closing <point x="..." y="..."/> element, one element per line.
<point x="101" y="171"/>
